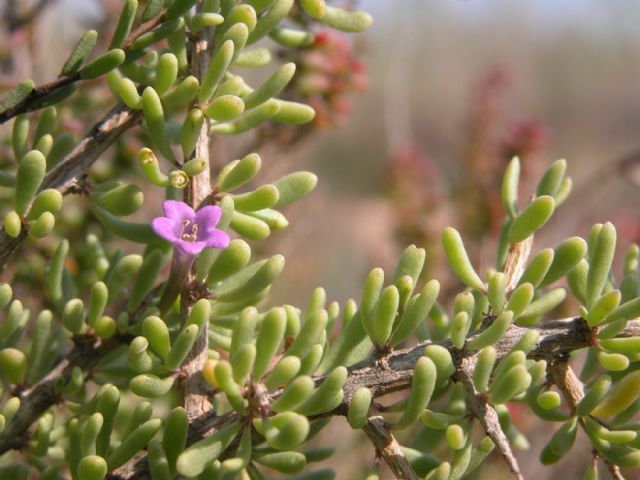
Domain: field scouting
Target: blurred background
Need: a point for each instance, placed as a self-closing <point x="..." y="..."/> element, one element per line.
<point x="416" y="121"/>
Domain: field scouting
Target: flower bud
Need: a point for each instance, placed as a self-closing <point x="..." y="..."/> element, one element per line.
<point x="178" y="179"/>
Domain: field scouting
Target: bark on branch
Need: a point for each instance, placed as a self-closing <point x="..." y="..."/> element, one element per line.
<point x="389" y="449"/>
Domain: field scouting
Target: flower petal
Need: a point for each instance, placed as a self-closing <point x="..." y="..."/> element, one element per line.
<point x="208" y="217"/>
<point x="178" y="211"/>
<point x="165" y="228"/>
<point x="190" y="248"/>
<point x="217" y="238"/>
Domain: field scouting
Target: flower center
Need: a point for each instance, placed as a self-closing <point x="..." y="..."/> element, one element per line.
<point x="189" y="231"/>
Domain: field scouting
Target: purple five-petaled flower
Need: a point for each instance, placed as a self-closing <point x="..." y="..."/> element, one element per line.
<point x="190" y="231"/>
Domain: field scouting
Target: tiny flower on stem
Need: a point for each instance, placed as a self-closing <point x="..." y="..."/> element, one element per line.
<point x="190" y="232"/>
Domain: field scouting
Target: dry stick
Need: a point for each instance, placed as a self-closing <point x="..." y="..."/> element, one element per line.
<point x="557" y="338"/>
<point x="486" y="414"/>
<point x="562" y="375"/>
<point x="65" y="176"/>
<point x="389" y="449"/>
<point x="193" y="387"/>
<point x="34" y="99"/>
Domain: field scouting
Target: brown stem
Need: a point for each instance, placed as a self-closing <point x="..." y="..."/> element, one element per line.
<point x="389" y="449"/>
<point x="487" y="415"/>
<point x="193" y="386"/>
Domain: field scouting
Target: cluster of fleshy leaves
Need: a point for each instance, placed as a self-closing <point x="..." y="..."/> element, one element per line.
<point x="275" y="374"/>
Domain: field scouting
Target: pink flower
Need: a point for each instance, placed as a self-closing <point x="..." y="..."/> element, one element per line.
<point x="190" y="231"/>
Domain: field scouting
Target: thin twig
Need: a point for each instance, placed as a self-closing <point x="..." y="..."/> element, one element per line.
<point x="389" y="449"/>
